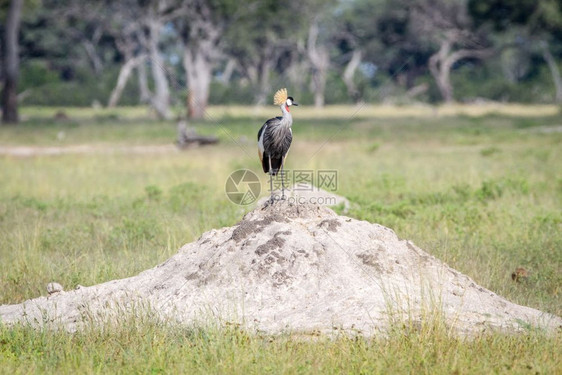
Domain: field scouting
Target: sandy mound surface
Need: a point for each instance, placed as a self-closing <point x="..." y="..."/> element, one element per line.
<point x="304" y="193"/>
<point x="298" y="268"/>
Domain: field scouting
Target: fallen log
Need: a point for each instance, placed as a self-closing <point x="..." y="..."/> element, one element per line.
<point x="188" y="137"/>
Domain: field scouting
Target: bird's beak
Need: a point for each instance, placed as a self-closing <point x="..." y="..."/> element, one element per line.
<point x="295" y="103"/>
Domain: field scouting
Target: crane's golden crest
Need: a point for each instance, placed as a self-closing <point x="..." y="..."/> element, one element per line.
<point x="280" y="97"/>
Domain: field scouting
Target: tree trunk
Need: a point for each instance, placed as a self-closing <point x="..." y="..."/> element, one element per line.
<point x="554" y="71"/>
<point x="319" y="85"/>
<point x="349" y="73"/>
<point x="124" y="74"/>
<point x="228" y="70"/>
<point x="90" y="49"/>
<point x="298" y="66"/>
<point x="320" y="60"/>
<point x="161" y="99"/>
<point x="440" y="71"/>
<point x="144" y="91"/>
<point x="198" y="72"/>
<point x="11" y="63"/>
<point x="264" y="75"/>
<point x="441" y="63"/>
<point x="444" y="83"/>
<point x="417" y="90"/>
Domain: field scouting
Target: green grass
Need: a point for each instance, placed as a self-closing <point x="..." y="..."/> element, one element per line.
<point x="149" y="348"/>
<point x="483" y="193"/>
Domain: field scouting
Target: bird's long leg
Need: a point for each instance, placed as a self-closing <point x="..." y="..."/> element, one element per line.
<point x="270" y="180"/>
<point x="282" y="178"/>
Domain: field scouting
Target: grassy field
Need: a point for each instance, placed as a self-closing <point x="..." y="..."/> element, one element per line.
<point x="479" y="189"/>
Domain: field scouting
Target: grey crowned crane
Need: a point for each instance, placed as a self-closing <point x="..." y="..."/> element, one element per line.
<point x="274" y="140"/>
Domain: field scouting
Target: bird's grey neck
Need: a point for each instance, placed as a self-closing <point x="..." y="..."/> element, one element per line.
<point x="287" y="118"/>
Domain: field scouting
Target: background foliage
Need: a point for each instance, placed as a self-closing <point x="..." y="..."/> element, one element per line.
<point x="72" y="52"/>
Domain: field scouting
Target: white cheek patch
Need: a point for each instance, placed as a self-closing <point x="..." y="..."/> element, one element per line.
<point x="289" y="102"/>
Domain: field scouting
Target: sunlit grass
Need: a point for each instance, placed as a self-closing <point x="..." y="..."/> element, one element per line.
<point x="143" y="346"/>
<point x="238" y="125"/>
<point x="392" y="111"/>
<point x="361" y="110"/>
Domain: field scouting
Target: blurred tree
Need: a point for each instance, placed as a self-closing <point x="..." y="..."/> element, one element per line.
<point x="319" y="57"/>
<point x="297" y="66"/>
<point x="200" y="27"/>
<point x="135" y="27"/>
<point x="85" y="22"/>
<point x="397" y="49"/>
<point x="127" y="29"/>
<point x="539" y="22"/>
<point x="356" y="37"/>
<point x="10" y="62"/>
<point x="70" y="34"/>
<point x="313" y="46"/>
<point x="77" y="40"/>
<point x="257" y="46"/>
<point x="92" y="48"/>
<point x="158" y="13"/>
<point x="447" y="24"/>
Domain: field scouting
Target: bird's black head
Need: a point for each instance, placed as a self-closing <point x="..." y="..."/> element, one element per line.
<point x="290" y="101"/>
